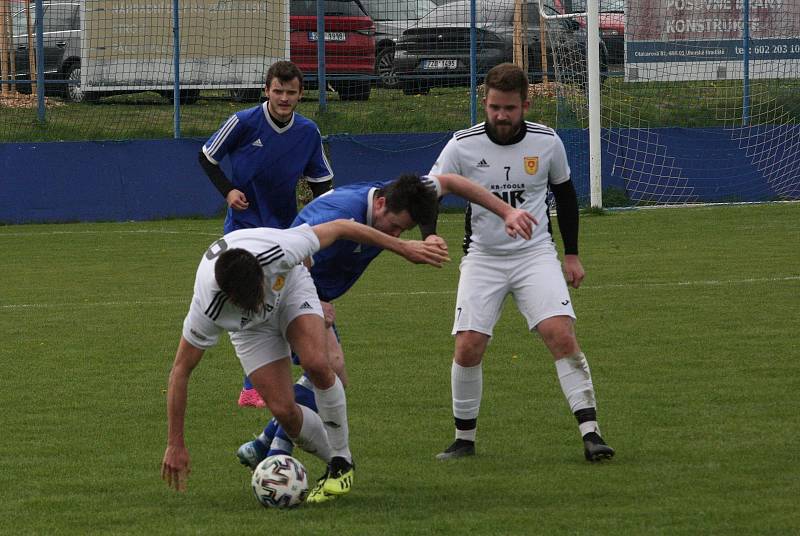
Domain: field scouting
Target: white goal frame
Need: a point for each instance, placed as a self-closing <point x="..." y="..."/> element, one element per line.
<point x="592" y="15"/>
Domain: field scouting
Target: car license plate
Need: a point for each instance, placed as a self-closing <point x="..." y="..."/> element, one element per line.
<point x="329" y="36"/>
<point x="440" y="64"/>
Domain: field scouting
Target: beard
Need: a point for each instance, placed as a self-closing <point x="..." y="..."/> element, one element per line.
<point x="503" y="131"/>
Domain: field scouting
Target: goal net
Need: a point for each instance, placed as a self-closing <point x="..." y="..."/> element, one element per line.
<point x="698" y="99"/>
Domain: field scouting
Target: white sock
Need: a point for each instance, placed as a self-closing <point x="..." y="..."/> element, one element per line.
<point x="332" y="407"/>
<point x="588" y="427"/>
<point x="467" y="387"/>
<point x="576" y="381"/>
<point x="313" y="438"/>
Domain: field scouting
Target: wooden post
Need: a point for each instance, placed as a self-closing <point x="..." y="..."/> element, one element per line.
<point x="4" y="48"/>
<point x="31" y="49"/>
<point x="517" y="36"/>
<point x="543" y="45"/>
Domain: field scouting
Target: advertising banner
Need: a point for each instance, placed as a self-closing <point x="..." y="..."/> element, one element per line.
<point x="669" y="40"/>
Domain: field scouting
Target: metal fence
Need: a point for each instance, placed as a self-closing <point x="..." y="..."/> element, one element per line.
<point x="727" y="72"/>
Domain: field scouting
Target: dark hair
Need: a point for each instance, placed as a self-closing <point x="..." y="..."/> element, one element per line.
<point x="507" y="77"/>
<point x="409" y="193"/>
<point x="239" y="275"/>
<point x="285" y="71"/>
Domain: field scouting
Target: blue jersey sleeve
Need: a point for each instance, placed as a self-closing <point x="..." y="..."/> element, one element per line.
<point x="318" y="168"/>
<point x="224" y="140"/>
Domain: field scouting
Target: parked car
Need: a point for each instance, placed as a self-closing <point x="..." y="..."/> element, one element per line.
<point x="62" y="53"/>
<point x="62" y="47"/>
<point x="612" y="23"/>
<point x="349" y="45"/>
<point x="391" y="18"/>
<point x="436" y="52"/>
<point x="349" y="48"/>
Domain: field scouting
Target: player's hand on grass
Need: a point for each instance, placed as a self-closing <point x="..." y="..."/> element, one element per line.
<point x="520" y="222"/>
<point x="573" y="270"/>
<point x="420" y="252"/>
<point x="237" y="200"/>
<point x="328" y="312"/>
<point x="175" y="467"/>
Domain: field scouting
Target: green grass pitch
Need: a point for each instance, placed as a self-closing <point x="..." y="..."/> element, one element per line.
<point x="689" y="319"/>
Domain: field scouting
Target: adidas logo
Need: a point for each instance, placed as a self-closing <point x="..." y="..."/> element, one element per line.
<point x="483" y="163"/>
<point x="257" y="143"/>
<point x="305" y="305"/>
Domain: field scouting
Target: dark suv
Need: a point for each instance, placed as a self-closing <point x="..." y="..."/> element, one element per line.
<point x="62" y="48"/>
<point x="436" y="51"/>
<point x="391" y="18"/>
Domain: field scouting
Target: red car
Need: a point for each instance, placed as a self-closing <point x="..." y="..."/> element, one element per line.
<point x="349" y="45"/>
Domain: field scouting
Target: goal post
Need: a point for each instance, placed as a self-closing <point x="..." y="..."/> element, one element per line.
<point x="593" y="84"/>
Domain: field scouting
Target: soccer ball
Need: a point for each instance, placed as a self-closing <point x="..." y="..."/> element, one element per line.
<point x="280" y="482"/>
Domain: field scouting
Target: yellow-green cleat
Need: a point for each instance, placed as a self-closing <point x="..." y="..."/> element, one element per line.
<point x="317" y="495"/>
<point x="337" y="480"/>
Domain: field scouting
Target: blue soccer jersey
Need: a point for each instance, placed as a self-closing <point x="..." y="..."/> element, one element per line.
<point x="266" y="163"/>
<point x="337" y="267"/>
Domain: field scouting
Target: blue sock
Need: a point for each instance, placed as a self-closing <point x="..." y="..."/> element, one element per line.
<point x="247" y="384"/>
<point x="281" y="444"/>
<point x="269" y="433"/>
<point x="261" y="449"/>
<point x="305" y="396"/>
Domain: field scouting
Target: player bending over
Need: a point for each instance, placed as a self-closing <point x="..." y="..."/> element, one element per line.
<point x="252" y="284"/>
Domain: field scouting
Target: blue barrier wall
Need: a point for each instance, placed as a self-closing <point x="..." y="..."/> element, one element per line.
<point x="153" y="179"/>
<point x="104" y="181"/>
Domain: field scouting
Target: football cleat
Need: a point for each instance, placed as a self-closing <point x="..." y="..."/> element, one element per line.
<point x="337" y="480"/>
<point x="252" y="453"/>
<point x="317" y="494"/>
<point x="595" y="449"/>
<point x="340" y="477"/>
<point x="459" y="449"/>
<point x="249" y="398"/>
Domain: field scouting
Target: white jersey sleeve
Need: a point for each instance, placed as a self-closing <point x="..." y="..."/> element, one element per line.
<point x="559" y="167"/>
<point x="198" y="328"/>
<point x="448" y="160"/>
<point x="433" y="183"/>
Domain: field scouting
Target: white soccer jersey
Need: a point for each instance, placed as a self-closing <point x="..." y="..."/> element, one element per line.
<point x="277" y="250"/>
<point x="518" y="174"/>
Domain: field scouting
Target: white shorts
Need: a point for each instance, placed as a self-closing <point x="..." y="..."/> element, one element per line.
<point x="266" y="342"/>
<point x="534" y="278"/>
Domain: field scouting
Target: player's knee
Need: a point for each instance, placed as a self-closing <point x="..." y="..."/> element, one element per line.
<point x="286" y="412"/>
<point x="559" y="336"/>
<point x="470" y="347"/>
<point x="318" y="369"/>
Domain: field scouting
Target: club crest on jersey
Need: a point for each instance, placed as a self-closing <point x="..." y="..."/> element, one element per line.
<point x="279" y="281"/>
<point x="531" y="165"/>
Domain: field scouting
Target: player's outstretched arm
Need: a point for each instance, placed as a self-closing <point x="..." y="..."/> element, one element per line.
<point x="412" y="250"/>
<point x="518" y="222"/>
<point x="175" y="466"/>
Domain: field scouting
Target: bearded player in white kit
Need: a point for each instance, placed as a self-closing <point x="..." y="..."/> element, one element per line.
<point x="251" y="283"/>
<point x="519" y="161"/>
